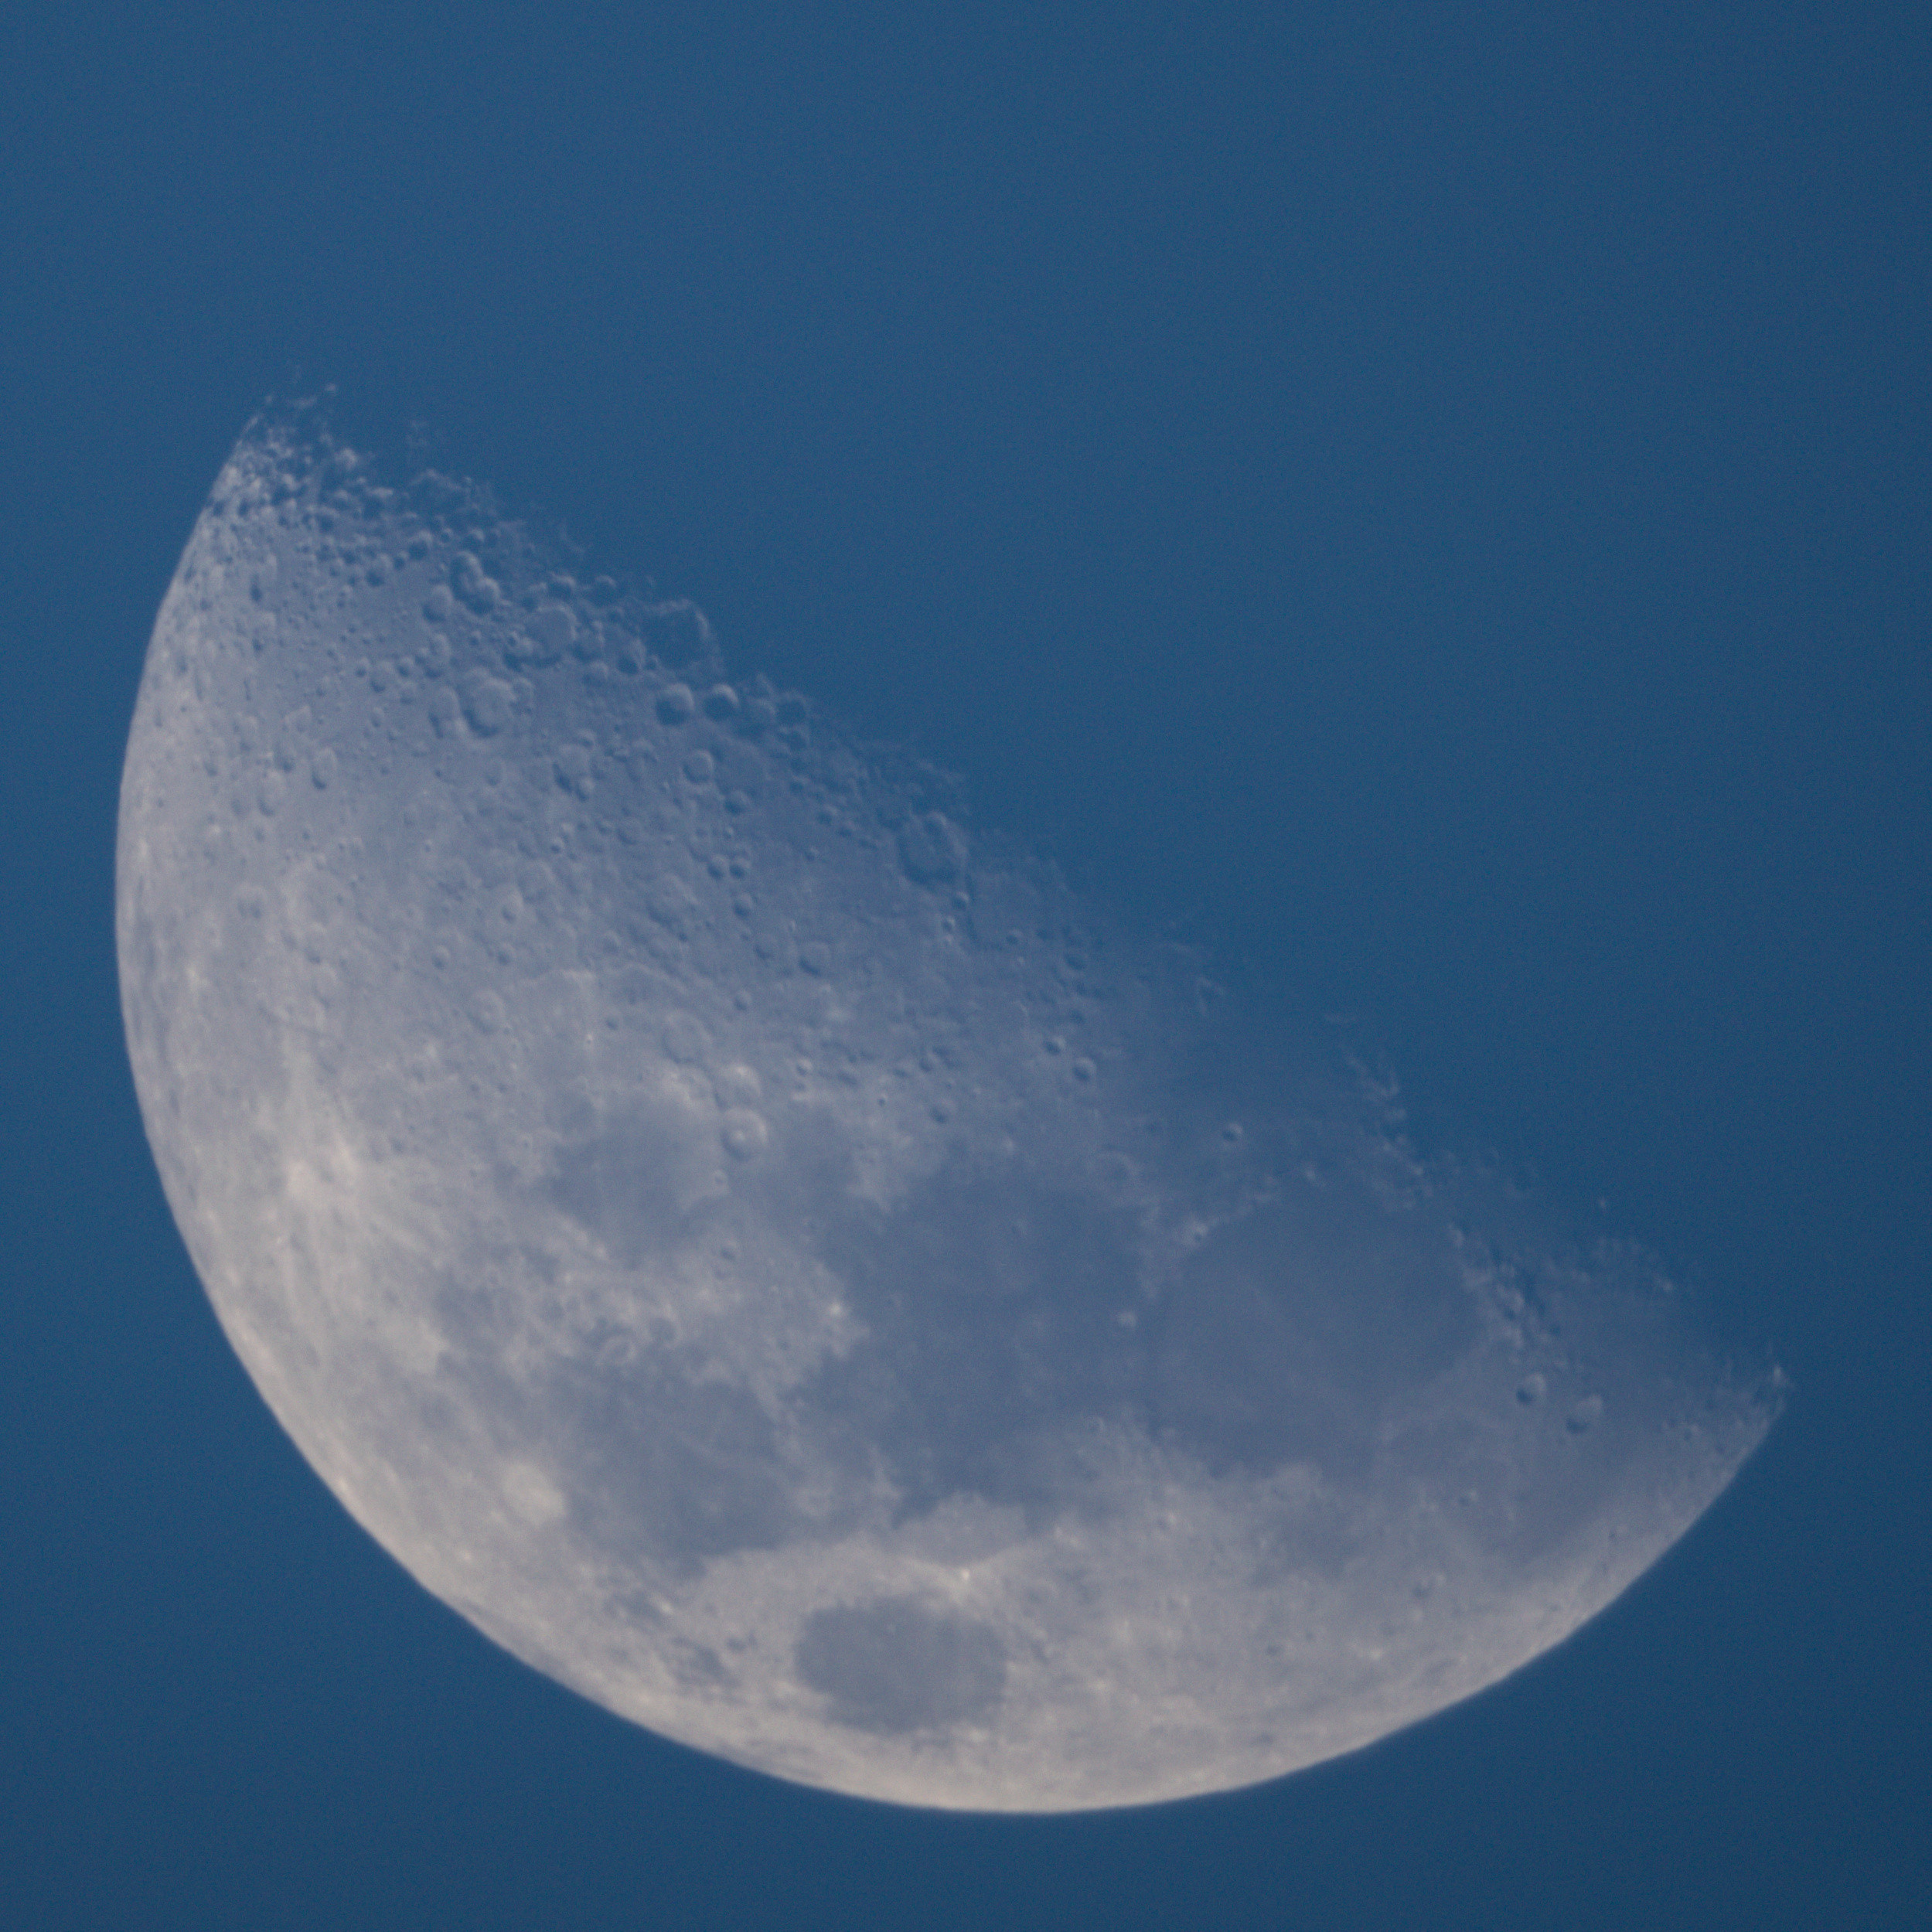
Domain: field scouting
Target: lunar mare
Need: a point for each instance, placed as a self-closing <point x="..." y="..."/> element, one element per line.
<point x="776" y="1261"/>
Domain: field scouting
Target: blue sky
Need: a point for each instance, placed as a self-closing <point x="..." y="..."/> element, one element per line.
<point x="1431" y="503"/>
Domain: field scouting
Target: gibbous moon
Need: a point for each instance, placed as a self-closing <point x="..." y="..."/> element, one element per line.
<point x="775" y="1261"/>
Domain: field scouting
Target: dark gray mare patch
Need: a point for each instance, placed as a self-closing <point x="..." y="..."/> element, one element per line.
<point x="896" y="1665"/>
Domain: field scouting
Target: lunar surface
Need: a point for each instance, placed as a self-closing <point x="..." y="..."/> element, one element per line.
<point x="772" y="1258"/>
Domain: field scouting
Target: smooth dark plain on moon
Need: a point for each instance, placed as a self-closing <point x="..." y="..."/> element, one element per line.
<point x="774" y="1260"/>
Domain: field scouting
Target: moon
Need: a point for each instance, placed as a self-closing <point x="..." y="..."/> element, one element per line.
<point x="771" y="1256"/>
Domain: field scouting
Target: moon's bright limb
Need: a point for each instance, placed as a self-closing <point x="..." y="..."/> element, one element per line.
<point x="793" y="1275"/>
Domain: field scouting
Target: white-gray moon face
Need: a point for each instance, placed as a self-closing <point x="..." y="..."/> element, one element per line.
<point x="788" y="1271"/>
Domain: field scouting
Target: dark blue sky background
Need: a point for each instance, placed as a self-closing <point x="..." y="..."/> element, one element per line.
<point x="1432" y="500"/>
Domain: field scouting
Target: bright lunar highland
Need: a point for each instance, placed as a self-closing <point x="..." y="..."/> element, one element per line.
<point x="774" y="1260"/>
